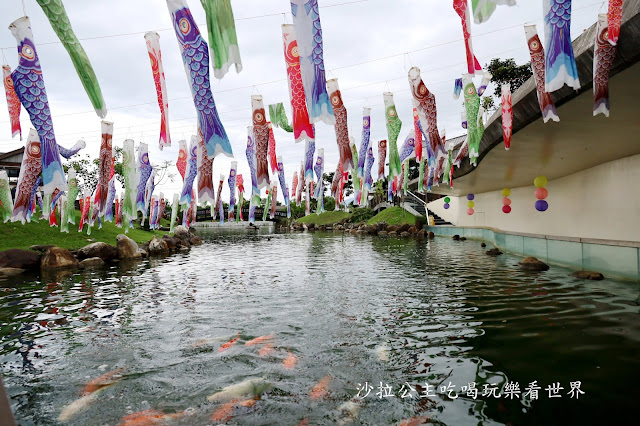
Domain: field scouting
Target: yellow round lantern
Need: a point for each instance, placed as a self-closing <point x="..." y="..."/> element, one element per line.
<point x="506" y="192"/>
<point x="540" y="182"/>
<point x="471" y="204"/>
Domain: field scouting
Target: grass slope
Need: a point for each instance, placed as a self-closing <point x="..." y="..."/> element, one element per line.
<point x="17" y="235"/>
<point x="326" y="218"/>
<point x="393" y="216"/>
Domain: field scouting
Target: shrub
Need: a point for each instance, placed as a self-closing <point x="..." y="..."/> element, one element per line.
<point x="361" y="214"/>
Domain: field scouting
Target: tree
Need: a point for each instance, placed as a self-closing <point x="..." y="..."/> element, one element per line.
<point x="86" y="172"/>
<point x="507" y="71"/>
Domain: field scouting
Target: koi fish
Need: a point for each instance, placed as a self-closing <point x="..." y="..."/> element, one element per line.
<point x="89" y="394"/>
<point x="254" y="387"/>
<point x="230" y="343"/>
<point x="319" y="390"/>
<point x="260" y="340"/>
<point x="227" y="411"/>
<point x="414" y="421"/>
<point x="290" y="361"/>
<point x="150" y="417"/>
<point x="266" y="350"/>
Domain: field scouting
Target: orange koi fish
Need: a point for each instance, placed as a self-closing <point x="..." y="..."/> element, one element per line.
<point x="226" y="411"/>
<point x="101" y="382"/>
<point x="290" y="361"/>
<point x="266" y="350"/>
<point x="260" y="340"/>
<point x="230" y="343"/>
<point x="320" y="390"/>
<point x="414" y="421"/>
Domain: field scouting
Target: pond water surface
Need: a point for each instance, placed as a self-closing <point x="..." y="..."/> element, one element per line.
<point x="369" y="312"/>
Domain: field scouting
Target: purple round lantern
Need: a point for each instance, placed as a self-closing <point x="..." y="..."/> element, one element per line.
<point x="446" y="206"/>
<point x="470" y="197"/>
<point x="541" y="205"/>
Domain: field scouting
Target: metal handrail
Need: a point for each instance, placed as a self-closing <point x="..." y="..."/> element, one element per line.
<point x="426" y="209"/>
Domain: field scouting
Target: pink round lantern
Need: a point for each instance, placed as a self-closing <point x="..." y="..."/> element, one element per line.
<point x="541" y="193"/>
<point x="506" y="201"/>
<point x="470" y="212"/>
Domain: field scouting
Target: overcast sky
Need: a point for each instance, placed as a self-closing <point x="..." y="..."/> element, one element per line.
<point x="365" y="45"/>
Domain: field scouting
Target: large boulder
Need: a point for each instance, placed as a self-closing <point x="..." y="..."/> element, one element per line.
<point x="392" y="228"/>
<point x="172" y="242"/>
<point x="372" y="229"/>
<point x="90" y="263"/>
<point x="58" y="258"/>
<point x="21" y="259"/>
<point x="127" y="248"/>
<point x="431" y="235"/>
<point x="588" y="275"/>
<point x="421" y="233"/>
<point x="405" y="234"/>
<point x="181" y="232"/>
<point x="456" y="237"/>
<point x="533" y="264"/>
<point x="158" y="246"/>
<point x="404" y="228"/>
<point x="41" y="248"/>
<point x="412" y="230"/>
<point x="382" y="226"/>
<point x="195" y="240"/>
<point x="494" y="252"/>
<point x="392" y="234"/>
<point x="102" y="250"/>
<point x="382" y="233"/>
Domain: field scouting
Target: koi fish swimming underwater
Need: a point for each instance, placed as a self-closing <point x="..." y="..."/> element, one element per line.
<point x="90" y="394"/>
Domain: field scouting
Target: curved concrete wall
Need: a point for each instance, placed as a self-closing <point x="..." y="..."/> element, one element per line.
<point x="602" y="202"/>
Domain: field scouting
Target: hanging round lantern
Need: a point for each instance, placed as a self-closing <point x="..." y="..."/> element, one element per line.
<point x="541" y="193"/>
<point x="542" y="205"/>
<point x="470" y="197"/>
<point x="506" y="192"/>
<point x="470" y="212"/>
<point x="447" y="200"/>
<point x="506" y="208"/>
<point x="471" y="204"/>
<point x="506" y="201"/>
<point x="446" y="206"/>
<point x="540" y="182"/>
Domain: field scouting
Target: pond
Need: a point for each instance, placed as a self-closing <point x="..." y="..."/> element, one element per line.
<point x="367" y="330"/>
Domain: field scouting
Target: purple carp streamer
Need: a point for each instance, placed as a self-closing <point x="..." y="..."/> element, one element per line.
<point x="408" y="149"/>
<point x="368" y="179"/>
<point x="29" y="85"/>
<point x="302" y="127"/>
<point x="457" y="88"/>
<point x="310" y="149"/>
<point x="111" y="194"/>
<point x="190" y="174"/>
<point x="308" y="30"/>
<point x="261" y="132"/>
<point x="70" y="152"/>
<point x="319" y="190"/>
<point x="254" y="201"/>
<point x="12" y="102"/>
<point x="144" y="172"/>
<point x="603" y="55"/>
<point x="153" y="212"/>
<point x="364" y="145"/>
<point x="560" y="63"/>
<point x="341" y="125"/>
<point x="232" y="188"/>
<point x="205" y="175"/>
<point x="536" y="51"/>
<point x="483" y="9"/>
<point x="195" y="56"/>
<point x="148" y="193"/>
<point x="6" y="202"/>
<point x="484" y="83"/>
<point x="163" y="206"/>
<point x="382" y="155"/>
<point x="105" y="165"/>
<point x="155" y="56"/>
<point x="30" y="170"/>
<point x="283" y="185"/>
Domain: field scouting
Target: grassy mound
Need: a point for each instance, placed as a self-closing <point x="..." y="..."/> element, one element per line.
<point x="17" y="235"/>
<point x="393" y="216"/>
<point x="326" y="218"/>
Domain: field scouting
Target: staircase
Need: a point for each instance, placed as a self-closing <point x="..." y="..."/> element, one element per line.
<point x="420" y="206"/>
<point x="437" y="220"/>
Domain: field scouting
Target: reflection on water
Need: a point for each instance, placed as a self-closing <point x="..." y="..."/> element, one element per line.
<point x="414" y="315"/>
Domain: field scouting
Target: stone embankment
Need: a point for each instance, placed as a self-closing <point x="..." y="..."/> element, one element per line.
<point x="41" y="258"/>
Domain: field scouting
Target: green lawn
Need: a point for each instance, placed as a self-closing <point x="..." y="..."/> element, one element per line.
<point x="326" y="218"/>
<point x="393" y="216"/>
<point x="16" y="235"/>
